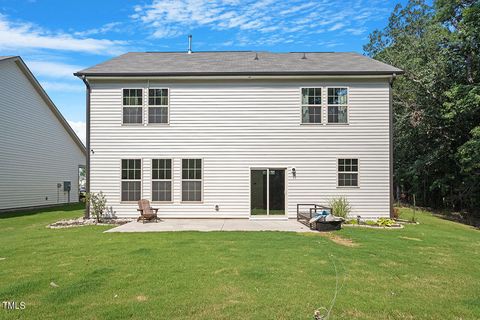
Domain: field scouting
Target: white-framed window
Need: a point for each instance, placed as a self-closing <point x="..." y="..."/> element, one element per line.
<point x="337" y="105"/>
<point x="162" y="180"/>
<point x="158" y="105"/>
<point x="311" y="105"/>
<point x="192" y="180"/>
<point x="131" y="179"/>
<point x="132" y="102"/>
<point x="348" y="172"/>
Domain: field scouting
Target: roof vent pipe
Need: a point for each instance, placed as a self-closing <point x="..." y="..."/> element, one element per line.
<point x="189" y="44"/>
<point x="256" y="56"/>
<point x="304" y="56"/>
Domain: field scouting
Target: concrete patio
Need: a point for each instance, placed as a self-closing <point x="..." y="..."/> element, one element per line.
<point x="166" y="225"/>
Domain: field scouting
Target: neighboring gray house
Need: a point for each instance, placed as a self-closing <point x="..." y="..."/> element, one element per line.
<point x="39" y="151"/>
<point x="240" y="134"/>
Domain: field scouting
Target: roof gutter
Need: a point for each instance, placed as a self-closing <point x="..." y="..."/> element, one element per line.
<point x="87" y="166"/>
<point x="252" y="74"/>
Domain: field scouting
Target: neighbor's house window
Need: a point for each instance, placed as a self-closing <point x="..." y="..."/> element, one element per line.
<point x="337" y="105"/>
<point x="161" y="180"/>
<point x="191" y="179"/>
<point x="132" y="105"/>
<point x="311" y="105"/>
<point x="348" y="172"/>
<point x="157" y="105"/>
<point x="131" y="179"/>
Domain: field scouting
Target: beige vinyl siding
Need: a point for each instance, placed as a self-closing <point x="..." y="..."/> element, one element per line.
<point x="36" y="152"/>
<point x="236" y="125"/>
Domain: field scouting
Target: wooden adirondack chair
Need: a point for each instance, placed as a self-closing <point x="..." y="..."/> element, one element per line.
<point x="146" y="211"/>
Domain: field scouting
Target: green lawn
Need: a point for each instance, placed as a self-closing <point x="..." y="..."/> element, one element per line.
<point x="426" y="271"/>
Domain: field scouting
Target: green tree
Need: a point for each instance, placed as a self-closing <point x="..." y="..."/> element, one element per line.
<point x="437" y="100"/>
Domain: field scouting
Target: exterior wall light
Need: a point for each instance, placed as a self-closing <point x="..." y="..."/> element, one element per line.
<point x="294" y="172"/>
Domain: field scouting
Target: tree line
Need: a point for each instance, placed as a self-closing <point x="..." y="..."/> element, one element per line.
<point x="436" y="103"/>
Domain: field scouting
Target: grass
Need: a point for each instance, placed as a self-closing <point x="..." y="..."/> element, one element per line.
<point x="426" y="271"/>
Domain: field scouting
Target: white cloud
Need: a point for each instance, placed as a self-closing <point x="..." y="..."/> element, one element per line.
<point x="108" y="27"/>
<point x="301" y="7"/>
<point x="252" y="19"/>
<point x="51" y="69"/>
<point x="80" y="129"/>
<point x="356" y="31"/>
<point x="22" y="35"/>
<point x="336" y="26"/>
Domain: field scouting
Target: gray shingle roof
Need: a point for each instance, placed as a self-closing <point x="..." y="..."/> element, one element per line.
<point x="238" y="63"/>
<point x="6" y="57"/>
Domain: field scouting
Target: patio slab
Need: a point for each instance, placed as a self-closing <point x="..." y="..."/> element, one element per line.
<point x="206" y="225"/>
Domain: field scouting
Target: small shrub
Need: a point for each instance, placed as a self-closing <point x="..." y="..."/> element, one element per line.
<point x="98" y="203"/>
<point x="371" y="222"/>
<point x="385" y="222"/>
<point x="351" y="221"/>
<point x="396" y="213"/>
<point x="340" y="207"/>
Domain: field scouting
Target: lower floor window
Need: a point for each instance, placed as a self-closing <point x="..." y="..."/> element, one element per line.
<point x="162" y="191"/>
<point x="191" y="179"/>
<point x="191" y="191"/>
<point x="337" y="114"/>
<point x="131" y="179"/>
<point x="348" y="172"/>
<point x="131" y="190"/>
<point x="161" y="180"/>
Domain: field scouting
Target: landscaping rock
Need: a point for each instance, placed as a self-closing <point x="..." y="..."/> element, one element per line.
<point x="79" y="222"/>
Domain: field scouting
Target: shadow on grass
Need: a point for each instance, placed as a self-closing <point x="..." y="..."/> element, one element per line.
<point x="88" y="284"/>
<point x="468" y="220"/>
<point x="29" y="212"/>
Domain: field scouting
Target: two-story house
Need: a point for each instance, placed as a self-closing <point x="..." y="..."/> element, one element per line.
<point x="240" y="134"/>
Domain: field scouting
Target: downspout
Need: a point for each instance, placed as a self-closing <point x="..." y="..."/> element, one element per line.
<point x="390" y="147"/>
<point x="87" y="165"/>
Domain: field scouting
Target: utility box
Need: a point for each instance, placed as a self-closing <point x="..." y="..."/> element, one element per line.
<point x="67" y="185"/>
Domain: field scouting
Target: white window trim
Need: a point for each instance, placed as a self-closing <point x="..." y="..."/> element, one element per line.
<point x="182" y="180"/>
<point x="141" y="179"/>
<point x="358" y="172"/>
<point x="167" y="106"/>
<point x="312" y="105"/>
<point x="337" y="105"/>
<point x="126" y="106"/>
<point x="171" y="180"/>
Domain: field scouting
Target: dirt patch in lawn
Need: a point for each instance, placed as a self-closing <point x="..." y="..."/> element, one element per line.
<point x="340" y="240"/>
<point x="141" y="298"/>
<point x="334" y="238"/>
<point x="409" y="238"/>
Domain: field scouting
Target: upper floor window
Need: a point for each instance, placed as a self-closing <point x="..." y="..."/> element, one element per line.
<point x="132" y="100"/>
<point x="157" y="105"/>
<point x="191" y="179"/>
<point x="131" y="179"/>
<point x="311" y="105"/>
<point x="337" y="105"/>
<point x="348" y="172"/>
<point x="161" y="180"/>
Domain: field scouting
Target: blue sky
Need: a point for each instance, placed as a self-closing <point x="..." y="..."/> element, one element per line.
<point x="56" y="38"/>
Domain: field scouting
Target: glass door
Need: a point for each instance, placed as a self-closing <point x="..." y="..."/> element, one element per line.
<point x="267" y="192"/>
<point x="258" y="191"/>
<point x="276" y="194"/>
